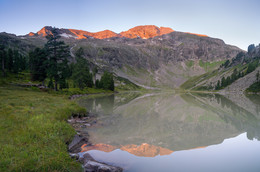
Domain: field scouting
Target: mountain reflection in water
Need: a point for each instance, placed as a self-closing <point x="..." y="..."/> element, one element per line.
<point x="148" y="126"/>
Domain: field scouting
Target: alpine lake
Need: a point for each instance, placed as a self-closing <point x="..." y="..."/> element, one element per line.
<point x="175" y="131"/>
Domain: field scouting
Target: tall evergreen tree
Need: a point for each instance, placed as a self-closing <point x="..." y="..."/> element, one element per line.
<point x="234" y="75"/>
<point x="23" y="63"/>
<point x="58" y="54"/>
<point x="107" y="81"/>
<point x="228" y="81"/>
<point x="3" y="59"/>
<point x="38" y="64"/>
<point x="16" y="61"/>
<point x="218" y="85"/>
<point x="10" y="59"/>
<point x="81" y="76"/>
<point x="223" y="82"/>
<point x="257" y="76"/>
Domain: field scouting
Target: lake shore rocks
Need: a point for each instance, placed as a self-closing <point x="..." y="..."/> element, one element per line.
<point x="82" y="139"/>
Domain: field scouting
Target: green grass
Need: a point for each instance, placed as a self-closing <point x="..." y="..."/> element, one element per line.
<point x="34" y="131"/>
<point x="19" y="78"/>
<point x="209" y="66"/>
<point x="126" y="85"/>
<point x="189" y="63"/>
<point x="192" y="82"/>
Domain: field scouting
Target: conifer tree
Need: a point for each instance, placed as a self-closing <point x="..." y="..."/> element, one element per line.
<point x="38" y="64"/>
<point x="57" y="58"/>
<point x="107" y="81"/>
<point x="257" y="76"/>
<point x="3" y="59"/>
<point x="16" y="61"/>
<point x="223" y="82"/>
<point x="81" y="76"/>
<point x="10" y="59"/>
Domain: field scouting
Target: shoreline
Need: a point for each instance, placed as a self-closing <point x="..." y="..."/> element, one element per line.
<point x="82" y="139"/>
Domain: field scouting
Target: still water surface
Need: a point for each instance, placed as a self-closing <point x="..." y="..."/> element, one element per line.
<point x="176" y="132"/>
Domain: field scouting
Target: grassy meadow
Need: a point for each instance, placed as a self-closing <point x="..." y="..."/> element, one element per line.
<point x="34" y="131"/>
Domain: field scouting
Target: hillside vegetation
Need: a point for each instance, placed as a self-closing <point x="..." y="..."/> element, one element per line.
<point x="235" y="75"/>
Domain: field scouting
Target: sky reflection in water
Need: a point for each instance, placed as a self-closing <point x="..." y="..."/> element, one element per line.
<point x="187" y="132"/>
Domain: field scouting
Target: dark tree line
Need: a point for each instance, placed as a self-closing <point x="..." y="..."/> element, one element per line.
<point x="52" y="62"/>
<point x="106" y="82"/>
<point x="82" y="76"/>
<point x="11" y="60"/>
<point x="225" y="81"/>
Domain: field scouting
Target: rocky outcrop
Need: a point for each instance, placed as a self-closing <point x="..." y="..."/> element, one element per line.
<point x="91" y="165"/>
<point x="145" y="32"/>
<point x="45" y="31"/>
<point x="80" y="34"/>
<point x="77" y="142"/>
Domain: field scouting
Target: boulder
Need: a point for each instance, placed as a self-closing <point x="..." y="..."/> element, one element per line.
<point x="93" y="166"/>
<point x="77" y="142"/>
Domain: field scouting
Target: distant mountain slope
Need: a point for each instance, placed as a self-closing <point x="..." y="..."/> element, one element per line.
<point x="161" y="61"/>
<point x="145" y="55"/>
<point x="235" y="75"/>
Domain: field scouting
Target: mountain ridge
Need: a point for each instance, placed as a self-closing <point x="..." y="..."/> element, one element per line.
<point x="142" y="31"/>
<point x="166" y="60"/>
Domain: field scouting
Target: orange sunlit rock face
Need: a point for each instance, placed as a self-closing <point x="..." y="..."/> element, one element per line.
<point x="146" y="150"/>
<point x="44" y="32"/>
<point x="98" y="35"/>
<point x="165" y="30"/>
<point x="197" y="34"/>
<point x="100" y="146"/>
<point x="201" y="147"/>
<point x="31" y="34"/>
<point x="143" y="150"/>
<point x="81" y="34"/>
<point x="145" y="32"/>
<point x="104" y="34"/>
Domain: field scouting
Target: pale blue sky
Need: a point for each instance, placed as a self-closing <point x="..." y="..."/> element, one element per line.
<point x="234" y="21"/>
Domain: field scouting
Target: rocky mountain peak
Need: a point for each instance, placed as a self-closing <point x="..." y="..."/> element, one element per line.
<point x="145" y="32"/>
<point x="31" y="34"/>
<point x="45" y="31"/>
<point x="105" y="34"/>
